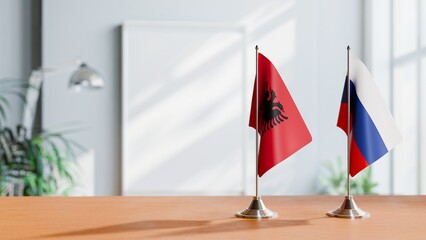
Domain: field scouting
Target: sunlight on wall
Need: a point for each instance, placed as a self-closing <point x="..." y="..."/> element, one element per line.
<point x="188" y="101"/>
<point x="195" y="58"/>
<point x="188" y="104"/>
<point x="266" y="13"/>
<point x="280" y="44"/>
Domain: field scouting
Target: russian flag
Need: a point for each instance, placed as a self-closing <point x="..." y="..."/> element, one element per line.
<point x="373" y="129"/>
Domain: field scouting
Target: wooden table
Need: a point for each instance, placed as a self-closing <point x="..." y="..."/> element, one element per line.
<point x="392" y="217"/>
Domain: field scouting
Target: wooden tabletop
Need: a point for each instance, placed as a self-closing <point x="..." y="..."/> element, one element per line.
<point x="392" y="217"/>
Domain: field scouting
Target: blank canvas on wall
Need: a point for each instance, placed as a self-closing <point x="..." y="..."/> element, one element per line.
<point x="183" y="114"/>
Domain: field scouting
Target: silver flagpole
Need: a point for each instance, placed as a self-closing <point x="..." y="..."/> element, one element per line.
<point x="257" y="208"/>
<point x="348" y="209"/>
<point x="348" y="85"/>
<point x="257" y="121"/>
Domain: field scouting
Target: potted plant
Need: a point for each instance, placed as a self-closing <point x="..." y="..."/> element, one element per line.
<point x="334" y="180"/>
<point x="37" y="164"/>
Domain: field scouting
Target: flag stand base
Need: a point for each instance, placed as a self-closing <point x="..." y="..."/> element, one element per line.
<point x="257" y="209"/>
<point x="349" y="209"/>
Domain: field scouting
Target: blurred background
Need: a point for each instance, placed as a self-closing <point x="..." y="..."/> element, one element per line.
<point x="172" y="118"/>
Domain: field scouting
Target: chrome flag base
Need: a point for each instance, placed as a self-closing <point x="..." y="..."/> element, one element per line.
<point x="257" y="209"/>
<point x="349" y="209"/>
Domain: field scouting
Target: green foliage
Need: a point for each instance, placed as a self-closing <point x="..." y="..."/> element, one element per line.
<point x="41" y="165"/>
<point x="334" y="180"/>
<point x="33" y="166"/>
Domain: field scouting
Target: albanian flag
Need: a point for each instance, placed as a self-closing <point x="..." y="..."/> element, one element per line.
<point x="281" y="127"/>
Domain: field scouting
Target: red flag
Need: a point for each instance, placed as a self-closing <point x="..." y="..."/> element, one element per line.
<point x="281" y="127"/>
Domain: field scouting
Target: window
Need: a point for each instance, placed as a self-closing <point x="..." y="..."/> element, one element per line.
<point x="395" y="50"/>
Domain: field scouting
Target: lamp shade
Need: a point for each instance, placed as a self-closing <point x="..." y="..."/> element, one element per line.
<point x="86" y="77"/>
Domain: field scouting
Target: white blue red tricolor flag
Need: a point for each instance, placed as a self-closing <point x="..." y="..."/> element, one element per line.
<point x="373" y="131"/>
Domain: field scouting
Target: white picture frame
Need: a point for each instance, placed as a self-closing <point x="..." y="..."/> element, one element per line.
<point x="184" y="111"/>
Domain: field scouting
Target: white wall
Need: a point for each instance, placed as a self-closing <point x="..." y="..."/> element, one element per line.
<point x="306" y="40"/>
<point x="15" y="47"/>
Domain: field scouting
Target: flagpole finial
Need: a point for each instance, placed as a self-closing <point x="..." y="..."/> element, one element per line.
<point x="257" y="47"/>
<point x="348" y="48"/>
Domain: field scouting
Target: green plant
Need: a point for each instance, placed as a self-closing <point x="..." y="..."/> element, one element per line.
<point x="43" y="164"/>
<point x="335" y="177"/>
